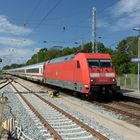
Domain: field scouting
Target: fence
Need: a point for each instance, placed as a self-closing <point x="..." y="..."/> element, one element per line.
<point x="9" y="126"/>
<point x="14" y="130"/>
<point x="18" y="132"/>
<point x="128" y="81"/>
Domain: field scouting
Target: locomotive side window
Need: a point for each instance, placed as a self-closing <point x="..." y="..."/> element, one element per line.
<point x="78" y="64"/>
<point x="105" y="63"/>
<point x="93" y="63"/>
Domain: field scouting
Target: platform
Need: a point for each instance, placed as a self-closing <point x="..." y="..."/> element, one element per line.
<point x="131" y="93"/>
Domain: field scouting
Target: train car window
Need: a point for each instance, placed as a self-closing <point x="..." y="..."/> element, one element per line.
<point x="33" y="70"/>
<point x="105" y="63"/>
<point x="20" y="71"/>
<point x="78" y="64"/>
<point x="93" y="63"/>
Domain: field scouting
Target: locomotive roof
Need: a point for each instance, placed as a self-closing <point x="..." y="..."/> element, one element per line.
<point x="62" y="59"/>
<point x="98" y="55"/>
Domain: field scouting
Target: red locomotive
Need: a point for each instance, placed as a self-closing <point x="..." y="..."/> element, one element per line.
<point x="87" y="73"/>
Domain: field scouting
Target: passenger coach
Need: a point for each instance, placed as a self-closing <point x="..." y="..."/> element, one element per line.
<point x="32" y="72"/>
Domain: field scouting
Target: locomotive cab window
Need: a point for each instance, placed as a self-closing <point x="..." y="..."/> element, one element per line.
<point x="92" y="63"/>
<point x="105" y="63"/>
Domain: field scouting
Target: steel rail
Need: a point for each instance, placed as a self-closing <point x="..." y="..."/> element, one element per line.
<point x="3" y="82"/>
<point x="6" y="84"/>
<point x="127" y="105"/>
<point x="78" y="122"/>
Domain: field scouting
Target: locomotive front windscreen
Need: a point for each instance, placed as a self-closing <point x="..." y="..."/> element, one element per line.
<point x="105" y="63"/>
<point x="99" y="63"/>
<point x="93" y="63"/>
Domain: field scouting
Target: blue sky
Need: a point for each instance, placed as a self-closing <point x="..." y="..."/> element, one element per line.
<point x="24" y="25"/>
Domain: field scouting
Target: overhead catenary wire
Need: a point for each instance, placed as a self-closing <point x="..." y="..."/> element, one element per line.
<point x="43" y="19"/>
<point x="71" y="26"/>
<point x="33" y="11"/>
<point x="102" y="10"/>
<point x="49" y="12"/>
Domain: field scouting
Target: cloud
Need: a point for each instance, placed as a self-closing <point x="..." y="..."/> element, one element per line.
<point x="129" y="22"/>
<point x="102" y="23"/>
<point x="126" y="7"/>
<point x="7" y="27"/>
<point x="15" y="41"/>
<point x="125" y="15"/>
<point x="12" y="43"/>
<point x="15" y="55"/>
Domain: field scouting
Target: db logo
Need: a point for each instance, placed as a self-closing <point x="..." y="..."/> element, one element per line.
<point x="102" y="74"/>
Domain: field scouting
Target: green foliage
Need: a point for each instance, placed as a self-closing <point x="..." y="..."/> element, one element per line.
<point x="101" y="48"/>
<point x="88" y="47"/>
<point x="126" y="50"/>
<point x="12" y="66"/>
<point x="66" y="51"/>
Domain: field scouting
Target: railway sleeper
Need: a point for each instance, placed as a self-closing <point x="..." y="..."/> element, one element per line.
<point x="59" y="121"/>
<point x="54" y="118"/>
<point x="69" y="129"/>
<point x="79" y="137"/>
<point x="73" y="132"/>
<point x="63" y="124"/>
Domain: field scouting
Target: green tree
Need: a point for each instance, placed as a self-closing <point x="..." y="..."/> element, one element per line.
<point x="12" y="66"/>
<point x="88" y="47"/>
<point x="66" y="51"/>
<point x="126" y="50"/>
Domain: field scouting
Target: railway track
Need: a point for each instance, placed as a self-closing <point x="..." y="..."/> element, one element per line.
<point x="128" y="111"/>
<point x="59" y="123"/>
<point x="126" y="108"/>
<point x="128" y="105"/>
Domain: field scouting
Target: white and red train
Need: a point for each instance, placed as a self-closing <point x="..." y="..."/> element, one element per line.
<point x="86" y="73"/>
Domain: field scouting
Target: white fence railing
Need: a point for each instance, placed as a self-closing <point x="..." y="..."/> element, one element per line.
<point x="15" y="129"/>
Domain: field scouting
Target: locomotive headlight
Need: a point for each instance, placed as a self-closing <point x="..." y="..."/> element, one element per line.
<point x="113" y="79"/>
<point x="93" y="80"/>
